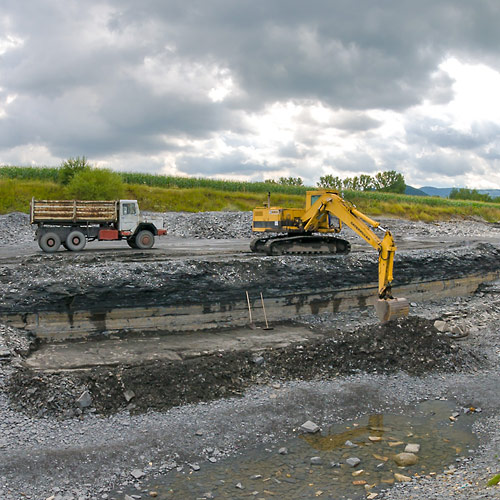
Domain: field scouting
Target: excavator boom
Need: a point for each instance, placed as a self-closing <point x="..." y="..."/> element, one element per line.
<point x="323" y="209"/>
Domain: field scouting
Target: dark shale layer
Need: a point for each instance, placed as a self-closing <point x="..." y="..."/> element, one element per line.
<point x="66" y="282"/>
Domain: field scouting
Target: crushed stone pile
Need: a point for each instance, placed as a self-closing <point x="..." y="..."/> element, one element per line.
<point x="409" y="344"/>
<point x="14" y="341"/>
<point x="15" y="228"/>
<point x="209" y="225"/>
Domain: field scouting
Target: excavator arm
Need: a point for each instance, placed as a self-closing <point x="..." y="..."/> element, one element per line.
<point x="387" y="306"/>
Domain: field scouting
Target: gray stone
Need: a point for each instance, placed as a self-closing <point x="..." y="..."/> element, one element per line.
<point x="350" y="444"/>
<point x="283" y="451"/>
<point x="137" y="473"/>
<point x="441" y="326"/>
<point x="412" y="448"/>
<point x="258" y="360"/>
<point x="404" y="459"/>
<point x="353" y="461"/>
<point x="85" y="400"/>
<point x="195" y="467"/>
<point x="316" y="461"/>
<point x="310" y="427"/>
<point x="129" y="395"/>
<point x="239" y="486"/>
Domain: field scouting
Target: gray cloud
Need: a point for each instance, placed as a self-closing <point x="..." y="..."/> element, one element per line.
<point x="354" y="162"/>
<point x="234" y="164"/>
<point x="442" y="134"/>
<point x="356" y="122"/>
<point x="439" y="164"/>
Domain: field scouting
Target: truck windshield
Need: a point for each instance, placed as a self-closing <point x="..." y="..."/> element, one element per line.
<point x="129" y="209"/>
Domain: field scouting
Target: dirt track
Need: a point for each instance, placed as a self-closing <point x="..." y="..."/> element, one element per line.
<point x="349" y="359"/>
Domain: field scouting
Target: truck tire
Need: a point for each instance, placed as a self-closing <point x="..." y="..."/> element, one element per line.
<point x="49" y="242"/>
<point x="75" y="241"/>
<point x="144" y="239"/>
<point x="131" y="242"/>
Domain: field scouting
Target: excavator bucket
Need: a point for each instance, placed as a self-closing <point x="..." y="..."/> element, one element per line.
<point x="388" y="309"/>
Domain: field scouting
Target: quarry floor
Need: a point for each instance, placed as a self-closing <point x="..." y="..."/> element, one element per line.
<point x="78" y="418"/>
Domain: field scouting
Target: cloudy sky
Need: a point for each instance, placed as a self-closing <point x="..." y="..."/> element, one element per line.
<point x="255" y="89"/>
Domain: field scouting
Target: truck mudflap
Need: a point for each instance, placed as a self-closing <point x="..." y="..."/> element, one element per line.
<point x="162" y="232"/>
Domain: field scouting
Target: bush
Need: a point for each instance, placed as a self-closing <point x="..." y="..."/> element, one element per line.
<point x="96" y="184"/>
<point x="71" y="167"/>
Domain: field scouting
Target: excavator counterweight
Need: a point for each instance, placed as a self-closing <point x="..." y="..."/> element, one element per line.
<point x="311" y="230"/>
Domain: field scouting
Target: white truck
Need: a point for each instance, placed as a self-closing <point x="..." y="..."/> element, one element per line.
<point x="72" y="223"/>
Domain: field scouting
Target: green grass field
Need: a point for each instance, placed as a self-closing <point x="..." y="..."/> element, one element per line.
<point x="161" y="193"/>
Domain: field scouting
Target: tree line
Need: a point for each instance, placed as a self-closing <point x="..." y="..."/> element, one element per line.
<point x="469" y="194"/>
<point x="389" y="181"/>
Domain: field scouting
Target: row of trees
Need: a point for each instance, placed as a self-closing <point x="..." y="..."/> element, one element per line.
<point x="468" y="194"/>
<point x="390" y="181"/>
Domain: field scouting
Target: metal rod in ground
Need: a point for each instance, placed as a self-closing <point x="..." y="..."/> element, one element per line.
<point x="249" y="310"/>
<point x="265" y="315"/>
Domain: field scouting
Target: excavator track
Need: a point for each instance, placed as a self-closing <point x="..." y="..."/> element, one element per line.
<point x="300" y="245"/>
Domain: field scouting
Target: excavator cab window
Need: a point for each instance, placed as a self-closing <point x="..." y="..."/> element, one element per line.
<point x="314" y="198"/>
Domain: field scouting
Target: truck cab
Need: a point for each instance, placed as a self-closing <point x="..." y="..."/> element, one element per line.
<point x="129" y="215"/>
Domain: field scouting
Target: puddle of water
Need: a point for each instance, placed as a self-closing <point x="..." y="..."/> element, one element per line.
<point x="264" y="473"/>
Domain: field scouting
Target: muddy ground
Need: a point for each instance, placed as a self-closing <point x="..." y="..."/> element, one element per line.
<point x="79" y="434"/>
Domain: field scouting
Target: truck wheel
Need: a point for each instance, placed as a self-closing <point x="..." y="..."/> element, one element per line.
<point x="75" y="241"/>
<point x="49" y="242"/>
<point x="144" y="239"/>
<point x="131" y="242"/>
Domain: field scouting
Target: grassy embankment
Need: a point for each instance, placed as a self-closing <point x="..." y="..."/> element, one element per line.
<point x="163" y="193"/>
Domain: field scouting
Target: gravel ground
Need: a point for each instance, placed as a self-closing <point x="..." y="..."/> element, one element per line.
<point x="87" y="455"/>
<point x="15" y="227"/>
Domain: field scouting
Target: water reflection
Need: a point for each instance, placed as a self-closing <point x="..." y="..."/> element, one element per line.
<point x="264" y="473"/>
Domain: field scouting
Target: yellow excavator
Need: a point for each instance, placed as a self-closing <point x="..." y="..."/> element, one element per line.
<point x="310" y="230"/>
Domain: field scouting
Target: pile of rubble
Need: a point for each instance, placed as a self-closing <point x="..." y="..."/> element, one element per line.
<point x="209" y="225"/>
<point x="15" y="228"/>
<point x="409" y="344"/>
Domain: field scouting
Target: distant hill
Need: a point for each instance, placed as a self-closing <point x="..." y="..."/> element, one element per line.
<point x="414" y="191"/>
<point x="445" y="192"/>
<point x="432" y="191"/>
